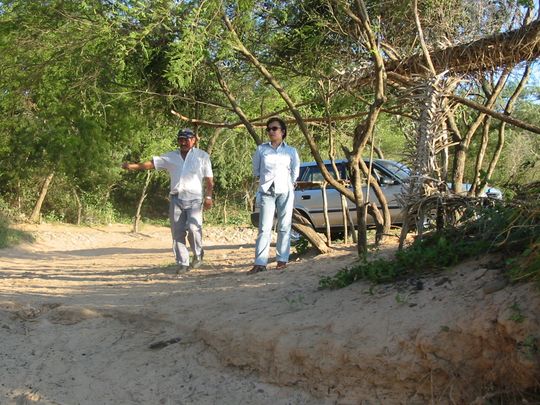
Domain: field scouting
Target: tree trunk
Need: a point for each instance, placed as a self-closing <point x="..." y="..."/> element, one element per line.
<point x="386" y="217"/>
<point x="475" y="190"/>
<point x="212" y="141"/>
<point x="376" y="149"/>
<point x="359" y="201"/>
<point x="19" y="198"/>
<point x="36" y="212"/>
<point x="79" y="206"/>
<point x="374" y="211"/>
<point x="352" y="225"/>
<point x="344" y="212"/>
<point x="302" y="225"/>
<point x="502" y="49"/>
<point x="236" y="107"/>
<point x="508" y="110"/>
<point x="380" y="78"/>
<point x="405" y="226"/>
<point x="137" y="219"/>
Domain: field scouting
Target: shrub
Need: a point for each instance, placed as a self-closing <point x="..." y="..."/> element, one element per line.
<point x="511" y="227"/>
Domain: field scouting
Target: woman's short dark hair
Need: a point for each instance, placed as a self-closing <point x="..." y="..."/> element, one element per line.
<point x="281" y="124"/>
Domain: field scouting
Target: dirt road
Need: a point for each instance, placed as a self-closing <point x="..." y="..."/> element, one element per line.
<point x="96" y="316"/>
<point x="81" y="308"/>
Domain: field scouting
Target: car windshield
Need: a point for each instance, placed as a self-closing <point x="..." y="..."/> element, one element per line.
<point x="398" y="169"/>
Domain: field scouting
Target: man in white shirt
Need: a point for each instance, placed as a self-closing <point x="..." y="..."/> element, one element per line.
<point x="192" y="184"/>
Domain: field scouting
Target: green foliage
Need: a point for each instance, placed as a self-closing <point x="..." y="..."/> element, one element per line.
<point x="530" y="345"/>
<point x="526" y="266"/>
<point x="390" y="135"/>
<point x="295" y="302"/>
<point x="60" y="60"/>
<point x="301" y="245"/>
<point x="423" y="256"/>
<point x="11" y="237"/>
<point x="402" y="299"/>
<point x="97" y="210"/>
<point x="87" y="84"/>
<point x="231" y="162"/>
<point x="187" y="54"/>
<point x="95" y="207"/>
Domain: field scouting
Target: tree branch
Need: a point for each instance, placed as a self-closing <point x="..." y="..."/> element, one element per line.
<point x="397" y="78"/>
<point x="237" y="109"/>
<point x="421" y="37"/>
<point x="500" y="116"/>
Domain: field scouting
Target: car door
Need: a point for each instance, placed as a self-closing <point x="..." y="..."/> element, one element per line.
<point x="309" y="200"/>
<point x="391" y="188"/>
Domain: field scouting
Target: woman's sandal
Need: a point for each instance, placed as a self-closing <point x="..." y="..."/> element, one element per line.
<point x="257" y="269"/>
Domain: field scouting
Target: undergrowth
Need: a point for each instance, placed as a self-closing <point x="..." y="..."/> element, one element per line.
<point x="511" y="227"/>
<point x="430" y="254"/>
<point x="226" y="214"/>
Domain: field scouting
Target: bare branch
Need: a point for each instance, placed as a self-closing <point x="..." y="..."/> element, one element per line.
<point x="421" y="38"/>
<point x="237" y="109"/>
<point x="500" y="116"/>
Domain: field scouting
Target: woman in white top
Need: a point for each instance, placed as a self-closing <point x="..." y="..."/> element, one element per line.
<point x="277" y="166"/>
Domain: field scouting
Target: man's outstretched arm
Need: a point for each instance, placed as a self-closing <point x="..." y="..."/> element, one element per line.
<point x="148" y="165"/>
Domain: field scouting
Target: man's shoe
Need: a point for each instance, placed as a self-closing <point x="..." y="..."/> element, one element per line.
<point x="256" y="269"/>
<point x="281" y="265"/>
<point x="181" y="268"/>
<point x="197" y="261"/>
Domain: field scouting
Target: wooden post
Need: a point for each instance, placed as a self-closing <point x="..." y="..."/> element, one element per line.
<point x="137" y="219"/>
<point x="344" y="210"/>
<point x="325" y="211"/>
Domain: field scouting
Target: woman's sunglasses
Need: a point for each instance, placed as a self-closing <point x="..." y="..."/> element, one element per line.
<point x="272" y="129"/>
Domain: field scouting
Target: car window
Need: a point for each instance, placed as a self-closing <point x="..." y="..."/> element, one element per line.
<point x="377" y="173"/>
<point x="313" y="173"/>
<point x="302" y="171"/>
<point x="398" y="169"/>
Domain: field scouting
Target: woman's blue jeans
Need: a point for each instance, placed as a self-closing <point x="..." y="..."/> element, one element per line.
<point x="270" y="203"/>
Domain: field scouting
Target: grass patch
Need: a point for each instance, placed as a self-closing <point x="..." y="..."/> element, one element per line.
<point x="11" y="237"/>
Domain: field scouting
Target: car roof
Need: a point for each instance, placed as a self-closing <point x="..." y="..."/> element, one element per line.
<point x="327" y="162"/>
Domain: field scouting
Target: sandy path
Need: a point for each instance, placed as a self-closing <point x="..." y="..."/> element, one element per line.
<point x="95" y="316"/>
<point x="80" y="307"/>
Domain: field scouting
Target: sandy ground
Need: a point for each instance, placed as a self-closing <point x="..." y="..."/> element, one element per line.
<point x="83" y="306"/>
<point x="97" y="316"/>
